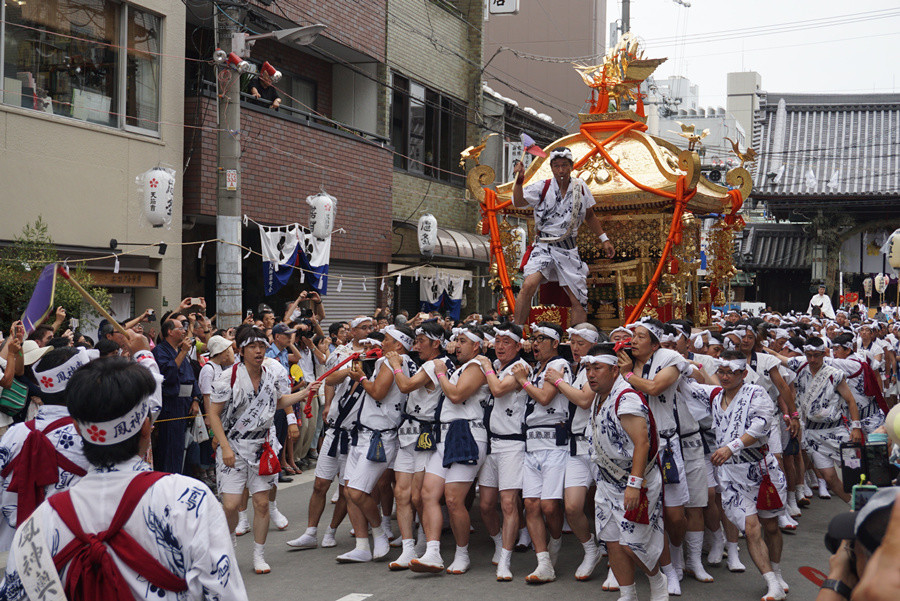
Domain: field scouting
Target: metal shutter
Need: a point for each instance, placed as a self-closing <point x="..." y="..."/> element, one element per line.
<point x="352" y="300"/>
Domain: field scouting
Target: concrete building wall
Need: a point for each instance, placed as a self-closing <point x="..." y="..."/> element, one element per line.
<point x="743" y="98"/>
<point x="575" y="28"/>
<point x="81" y="177"/>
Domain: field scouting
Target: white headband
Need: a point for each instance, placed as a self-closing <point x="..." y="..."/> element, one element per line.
<point x="791" y="347"/>
<point x="489" y="338"/>
<point x="508" y="333"/>
<point x="589" y="335"/>
<point x="603" y="359"/>
<point x="118" y="429"/>
<point x="399" y="336"/>
<point x="562" y="153"/>
<point x="781" y="333"/>
<point x="733" y="364"/>
<point x="548" y="332"/>
<point x="654" y="329"/>
<point x="668" y="338"/>
<point x="698" y="338"/>
<point x="360" y="320"/>
<point x="847" y="345"/>
<point x="621" y="329"/>
<point x="254" y="339"/>
<point x="814" y="348"/>
<point x="55" y="379"/>
<point x="422" y="332"/>
<point x="468" y="334"/>
<point x="371" y="341"/>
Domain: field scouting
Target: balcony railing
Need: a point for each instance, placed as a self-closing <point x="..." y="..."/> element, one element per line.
<point x="301" y="117"/>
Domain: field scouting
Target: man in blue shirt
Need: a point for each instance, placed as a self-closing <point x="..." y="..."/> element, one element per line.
<point x="180" y="395"/>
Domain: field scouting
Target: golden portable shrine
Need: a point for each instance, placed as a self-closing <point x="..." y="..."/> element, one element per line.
<point x="650" y="198"/>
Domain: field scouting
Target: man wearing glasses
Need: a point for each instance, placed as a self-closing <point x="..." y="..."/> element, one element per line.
<point x="561" y="204"/>
<point x="180" y="396"/>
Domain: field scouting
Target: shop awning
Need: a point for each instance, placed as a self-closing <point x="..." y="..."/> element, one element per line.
<point x="457" y="244"/>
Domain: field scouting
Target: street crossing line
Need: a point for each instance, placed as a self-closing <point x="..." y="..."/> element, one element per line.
<point x="355" y="597"/>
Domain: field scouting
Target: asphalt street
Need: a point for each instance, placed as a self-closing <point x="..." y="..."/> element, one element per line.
<point x="314" y="575"/>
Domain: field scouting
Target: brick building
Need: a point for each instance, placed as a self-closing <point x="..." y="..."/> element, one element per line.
<point x="328" y="134"/>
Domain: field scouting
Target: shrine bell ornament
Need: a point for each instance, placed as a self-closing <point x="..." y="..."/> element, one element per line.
<point x="322" y="207"/>
<point x="156" y="190"/>
<point x="427" y="234"/>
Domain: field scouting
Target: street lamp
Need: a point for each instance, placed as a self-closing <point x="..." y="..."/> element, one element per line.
<point x="296" y="36"/>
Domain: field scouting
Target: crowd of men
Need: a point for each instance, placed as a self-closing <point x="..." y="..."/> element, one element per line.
<point x="657" y="445"/>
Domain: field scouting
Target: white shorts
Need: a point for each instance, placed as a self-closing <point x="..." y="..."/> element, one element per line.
<point x="329" y="468"/>
<point x="503" y="471"/>
<point x="821" y="461"/>
<point x="695" y="470"/>
<point x="580" y="471"/>
<point x="362" y="474"/>
<point x="676" y="494"/>
<point x="457" y="472"/>
<point x="233" y="480"/>
<point x="545" y="474"/>
<point x="411" y="461"/>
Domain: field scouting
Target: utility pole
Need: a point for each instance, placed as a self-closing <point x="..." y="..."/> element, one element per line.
<point x="626" y="16"/>
<point x="228" y="189"/>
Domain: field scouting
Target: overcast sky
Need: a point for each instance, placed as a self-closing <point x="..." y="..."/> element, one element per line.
<point x="848" y="57"/>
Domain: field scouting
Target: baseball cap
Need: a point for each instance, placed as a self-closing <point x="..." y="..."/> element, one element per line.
<point x="217" y="344"/>
<point x="282" y="328"/>
<point x="867" y="525"/>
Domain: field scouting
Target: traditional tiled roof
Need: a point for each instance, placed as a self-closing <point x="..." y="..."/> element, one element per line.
<point x="773" y="246"/>
<point x="827" y="146"/>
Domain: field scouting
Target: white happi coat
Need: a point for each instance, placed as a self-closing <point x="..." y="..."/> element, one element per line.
<point x="540" y="420"/>
<point x="66" y="440"/>
<point x="552" y="217"/>
<point x="249" y="415"/>
<point x="421" y="404"/>
<point x="581" y="418"/>
<point x="606" y="432"/>
<point x="178" y="521"/>
<point x="819" y="402"/>
<point x="508" y="411"/>
<point x="471" y="410"/>
<point x="750" y="412"/>
<point x="385" y="415"/>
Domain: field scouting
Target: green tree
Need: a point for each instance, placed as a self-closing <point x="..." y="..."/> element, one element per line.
<point x="21" y="264"/>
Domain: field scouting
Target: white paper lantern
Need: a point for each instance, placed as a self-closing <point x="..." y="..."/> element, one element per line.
<point x="520" y="239"/>
<point x="881" y="283"/>
<point x="156" y="188"/>
<point x="427" y="234"/>
<point x="894" y="251"/>
<point x="322" y="208"/>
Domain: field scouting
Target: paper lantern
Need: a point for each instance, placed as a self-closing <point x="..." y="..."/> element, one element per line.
<point x="881" y="283"/>
<point x="156" y="189"/>
<point x="322" y="207"/>
<point x="894" y="251"/>
<point x="427" y="234"/>
<point x="867" y="286"/>
<point x="520" y="240"/>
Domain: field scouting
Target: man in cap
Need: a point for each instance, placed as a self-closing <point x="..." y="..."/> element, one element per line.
<point x="561" y="204"/>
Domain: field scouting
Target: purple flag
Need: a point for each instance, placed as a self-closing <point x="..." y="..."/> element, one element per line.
<point x="41" y="299"/>
<point x="531" y="147"/>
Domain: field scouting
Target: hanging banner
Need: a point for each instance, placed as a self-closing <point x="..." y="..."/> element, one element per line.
<point x="41" y="302"/>
<point x="289" y="246"/>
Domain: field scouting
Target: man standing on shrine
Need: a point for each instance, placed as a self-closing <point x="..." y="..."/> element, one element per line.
<point x="561" y="204"/>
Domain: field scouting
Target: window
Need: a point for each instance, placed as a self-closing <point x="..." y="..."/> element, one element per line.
<point x="93" y="60"/>
<point x="295" y="91"/>
<point x="428" y="128"/>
